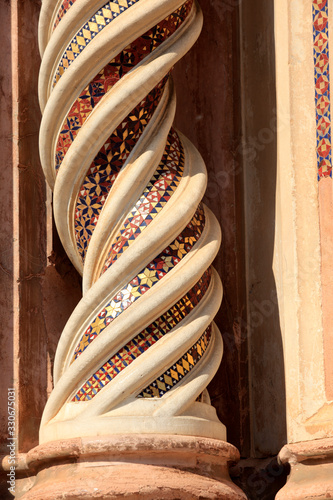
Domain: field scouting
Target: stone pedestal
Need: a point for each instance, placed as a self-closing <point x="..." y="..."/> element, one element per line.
<point x="311" y="474"/>
<point x="150" y="467"/>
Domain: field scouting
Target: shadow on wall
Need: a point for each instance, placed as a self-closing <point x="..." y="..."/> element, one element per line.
<point x="259" y="153"/>
<point x="226" y="84"/>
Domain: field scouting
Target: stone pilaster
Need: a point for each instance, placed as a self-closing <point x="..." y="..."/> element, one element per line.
<point x="303" y="240"/>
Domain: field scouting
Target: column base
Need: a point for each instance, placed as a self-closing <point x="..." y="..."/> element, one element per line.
<point x="150" y="467"/>
<point x="311" y="474"/>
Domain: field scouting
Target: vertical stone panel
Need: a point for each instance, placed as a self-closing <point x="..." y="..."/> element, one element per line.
<point x="303" y="242"/>
<point x="6" y="210"/>
<point x="298" y="264"/>
<point x="31" y="259"/>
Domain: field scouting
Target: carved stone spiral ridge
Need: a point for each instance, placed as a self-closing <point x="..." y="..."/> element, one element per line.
<point x="141" y="346"/>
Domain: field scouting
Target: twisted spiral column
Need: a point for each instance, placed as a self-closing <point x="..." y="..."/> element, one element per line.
<point x="141" y="346"/>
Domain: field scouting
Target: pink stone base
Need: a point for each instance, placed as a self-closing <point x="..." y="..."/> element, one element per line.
<point x="150" y="467"/>
<point x="311" y="475"/>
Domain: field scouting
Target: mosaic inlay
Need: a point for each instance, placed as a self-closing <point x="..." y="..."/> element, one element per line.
<point x="145" y="280"/>
<point x="177" y="372"/>
<point x="157" y="193"/>
<point x="103" y="17"/>
<point x="144" y="340"/>
<point x="322" y="87"/>
<point x="111" y="74"/>
<point x="89" y="30"/>
<point x="106" y="166"/>
<point x="65" y="6"/>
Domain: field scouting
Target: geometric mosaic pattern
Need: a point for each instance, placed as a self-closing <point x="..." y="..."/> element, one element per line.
<point x="89" y="30"/>
<point x="111" y="74"/>
<point x="322" y="87"/>
<point x="145" y="280"/>
<point x="65" y="6"/>
<point x="106" y="166"/>
<point x="149" y="336"/>
<point x="112" y="156"/>
<point x="177" y="372"/>
<point x="156" y="194"/>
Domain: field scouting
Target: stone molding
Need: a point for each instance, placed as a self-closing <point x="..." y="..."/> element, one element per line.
<point x="148" y="467"/>
<point x="311" y="475"/>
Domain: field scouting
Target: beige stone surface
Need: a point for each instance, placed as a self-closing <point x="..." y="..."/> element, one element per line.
<point x="298" y="265"/>
<point x="326" y="241"/>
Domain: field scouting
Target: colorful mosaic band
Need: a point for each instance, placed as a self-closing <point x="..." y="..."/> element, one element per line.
<point x="177" y="372"/>
<point x="65" y="6"/>
<point x="106" y="166"/>
<point x="149" y="336"/>
<point x="95" y="25"/>
<point x="112" y="73"/>
<point x="322" y="87"/>
<point x="155" y="196"/>
<point x="145" y="280"/>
